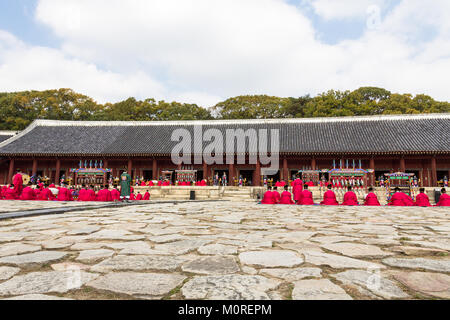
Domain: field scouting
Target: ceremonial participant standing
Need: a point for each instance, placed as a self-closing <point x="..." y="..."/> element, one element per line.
<point x="422" y="200"/>
<point x="297" y="188"/>
<point x="125" y="185"/>
<point x="18" y="183"/>
<point x="350" y="198"/>
<point x="372" y="199"/>
<point x="329" y="198"/>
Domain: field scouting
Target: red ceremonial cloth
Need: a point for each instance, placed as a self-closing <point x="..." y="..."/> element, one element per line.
<point x="444" y="200"/>
<point x="372" y="200"/>
<point x="146" y="196"/>
<point x="286" y="198"/>
<point x="268" y="198"/>
<point x="350" y="199"/>
<point x="329" y="199"/>
<point x="422" y="200"/>
<point x="307" y="198"/>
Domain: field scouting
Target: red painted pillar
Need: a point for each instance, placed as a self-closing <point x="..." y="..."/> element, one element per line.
<point x="257" y="179"/>
<point x="231" y="174"/>
<point x="155" y="169"/>
<point x="11" y="171"/>
<point x="285" y="170"/>
<point x="58" y="168"/>
<point x="433" y="172"/>
<point x="372" y="167"/>
<point x="205" y="171"/>
<point x="313" y="163"/>
<point x="130" y="167"/>
<point x="402" y="165"/>
<point x="34" y="170"/>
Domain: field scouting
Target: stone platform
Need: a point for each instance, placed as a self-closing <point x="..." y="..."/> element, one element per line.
<point x="227" y="250"/>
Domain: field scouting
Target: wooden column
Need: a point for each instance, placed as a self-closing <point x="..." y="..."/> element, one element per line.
<point x="313" y="163"/>
<point x="231" y="174"/>
<point x="130" y="167"/>
<point x="285" y="170"/>
<point x="372" y="175"/>
<point x="155" y="169"/>
<point x="257" y="175"/>
<point x="11" y="170"/>
<point x="433" y="172"/>
<point x="34" y="170"/>
<point x="205" y="171"/>
<point x="58" y="168"/>
<point x="402" y="165"/>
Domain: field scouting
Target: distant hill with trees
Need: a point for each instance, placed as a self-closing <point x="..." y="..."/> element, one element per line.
<point x="19" y="109"/>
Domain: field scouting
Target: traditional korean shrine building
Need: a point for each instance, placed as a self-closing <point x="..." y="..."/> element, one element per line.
<point x="418" y="144"/>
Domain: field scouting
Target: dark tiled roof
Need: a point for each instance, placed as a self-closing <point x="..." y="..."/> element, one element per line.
<point x="366" y="135"/>
<point x="5" y="135"/>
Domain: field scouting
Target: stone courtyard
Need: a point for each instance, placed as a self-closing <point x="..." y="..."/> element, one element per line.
<point x="225" y="250"/>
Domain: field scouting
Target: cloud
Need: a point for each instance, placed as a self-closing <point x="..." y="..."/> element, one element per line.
<point x="345" y="9"/>
<point x="204" y="51"/>
<point x="24" y="67"/>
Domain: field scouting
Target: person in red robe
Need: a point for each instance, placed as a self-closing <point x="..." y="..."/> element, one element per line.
<point x="422" y="200"/>
<point x="350" y="198"/>
<point x="18" y="183"/>
<point x="11" y="193"/>
<point x="83" y="194"/>
<point x="143" y="184"/>
<point x="91" y="196"/>
<point x="371" y="199"/>
<point x="444" y="200"/>
<point x="310" y="184"/>
<point x="307" y="197"/>
<point x="150" y="183"/>
<point x="286" y="197"/>
<point x="139" y="197"/>
<point x="160" y="183"/>
<point x="146" y="196"/>
<point x="115" y="195"/>
<point x="297" y="188"/>
<point x="3" y="192"/>
<point x="268" y="197"/>
<point x="276" y="196"/>
<point x="46" y="195"/>
<point x="399" y="199"/>
<point x="329" y="198"/>
<point x="27" y="194"/>
<point x="132" y="196"/>
<point x="63" y="194"/>
<point x="104" y="195"/>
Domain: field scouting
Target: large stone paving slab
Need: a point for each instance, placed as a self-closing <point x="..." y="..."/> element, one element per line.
<point x="432" y="284"/>
<point x="212" y="265"/>
<point x="8" y="272"/>
<point x="139" y="263"/>
<point x="322" y="289"/>
<point x="45" y="282"/>
<point x="131" y="283"/>
<point x="373" y="282"/>
<point x="10" y="249"/>
<point x="229" y="287"/>
<point x="33" y="258"/>
<point x="356" y="250"/>
<point x="419" y="263"/>
<point x="338" y="262"/>
<point x="271" y="258"/>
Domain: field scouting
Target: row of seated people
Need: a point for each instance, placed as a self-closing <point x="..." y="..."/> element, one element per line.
<point x="53" y="193"/>
<point x="167" y="183"/>
<point x="350" y="198"/>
